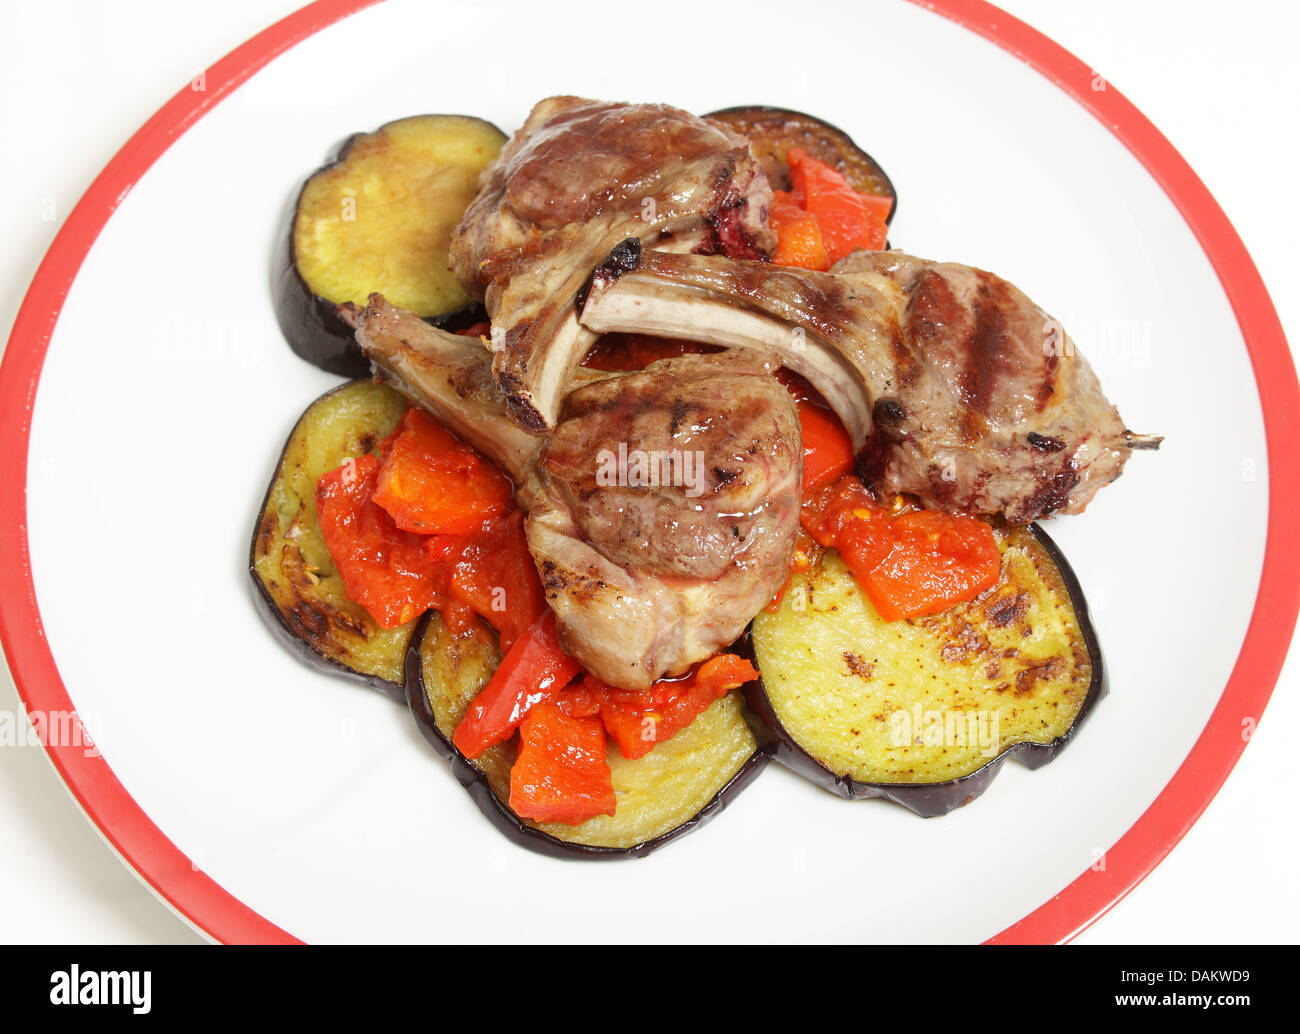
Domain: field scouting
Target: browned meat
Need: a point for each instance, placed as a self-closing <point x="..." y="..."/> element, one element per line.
<point x="669" y="574"/>
<point x="663" y="509"/>
<point x="953" y="385"/>
<point x="577" y="178"/>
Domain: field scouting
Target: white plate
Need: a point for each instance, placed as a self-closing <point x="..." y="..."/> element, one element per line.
<point x="307" y="803"/>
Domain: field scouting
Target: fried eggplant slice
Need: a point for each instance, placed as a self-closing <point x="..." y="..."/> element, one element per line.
<point x="379" y="218"/>
<point x="924" y="712"/>
<point x="296" y="586"/>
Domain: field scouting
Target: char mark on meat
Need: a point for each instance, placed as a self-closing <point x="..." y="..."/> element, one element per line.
<point x="953" y="385"/>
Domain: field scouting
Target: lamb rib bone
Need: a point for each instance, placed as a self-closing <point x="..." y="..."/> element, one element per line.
<point x="953" y="385"/>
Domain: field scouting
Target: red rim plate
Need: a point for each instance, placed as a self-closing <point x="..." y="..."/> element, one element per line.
<point x="213" y="909"/>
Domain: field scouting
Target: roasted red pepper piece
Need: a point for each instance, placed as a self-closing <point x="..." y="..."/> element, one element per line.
<point x="433" y="483"/>
<point x="561" y="774"/>
<point x="724" y="672"/>
<point x="909" y="564"/>
<point x="388" y="571"/>
<point x="495" y="575"/>
<point x="582" y="697"/>
<point x="848" y="219"/>
<point x="934" y="560"/>
<point x="824" y="512"/>
<point x="535" y="669"/>
<point x="378" y="515"/>
<point x="827" y="450"/>
<point x="799" y="239"/>
<point x="639" y="720"/>
<point x="385" y="446"/>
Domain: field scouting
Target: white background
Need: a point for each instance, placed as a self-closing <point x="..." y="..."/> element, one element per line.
<point x="79" y="78"/>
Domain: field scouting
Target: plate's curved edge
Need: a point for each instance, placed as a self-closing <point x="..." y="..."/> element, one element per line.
<point x="1273" y="620"/>
<point x="118" y="818"/>
<point x="214" y="910"/>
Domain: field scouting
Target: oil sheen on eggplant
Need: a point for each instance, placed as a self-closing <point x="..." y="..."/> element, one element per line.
<point x="379" y="217"/>
<point x="678" y="786"/>
<point x="924" y="712"/>
<point x="771" y="133"/>
<point x="296" y="586"/>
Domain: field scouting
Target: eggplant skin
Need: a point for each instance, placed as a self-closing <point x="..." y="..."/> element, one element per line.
<point x="930" y="799"/>
<point x="296" y="588"/>
<point x="315" y="331"/>
<point x="311" y="324"/>
<point x="462" y="664"/>
<point x="308" y="319"/>
<point x="773" y="131"/>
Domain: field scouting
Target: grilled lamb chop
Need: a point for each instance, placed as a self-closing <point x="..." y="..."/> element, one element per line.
<point x="576" y="179"/>
<point x="645" y="578"/>
<point x="953" y="385"/>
